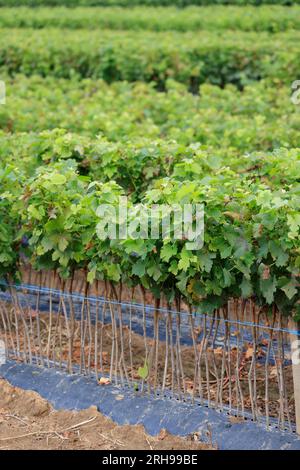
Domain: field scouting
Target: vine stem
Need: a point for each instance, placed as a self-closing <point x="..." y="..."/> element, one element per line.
<point x="96" y="332"/>
<point x="218" y="397"/>
<point x="143" y="294"/>
<point x="72" y="316"/>
<point x="69" y="337"/>
<point x="130" y="334"/>
<point x="166" y="354"/>
<point x="38" y="320"/>
<point x="267" y="409"/>
<point x="83" y="329"/>
<point x="90" y="335"/>
<point x="239" y="355"/>
<point x="170" y="325"/>
<point x="122" y="362"/>
<point x="178" y="339"/>
<point x="192" y="326"/>
<point x="176" y="354"/>
<point x="114" y="343"/>
<point x="52" y="281"/>
<point x="228" y="348"/>
<point x="283" y="398"/>
<point x="9" y="325"/>
<point x="104" y="307"/>
<point x="157" y="318"/>
<point x="5" y="328"/>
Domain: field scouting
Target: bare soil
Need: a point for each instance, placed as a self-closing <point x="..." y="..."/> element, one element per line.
<point x="28" y="422"/>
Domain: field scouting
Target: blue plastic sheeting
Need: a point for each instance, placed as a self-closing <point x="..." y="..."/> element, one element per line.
<point x="122" y="405"/>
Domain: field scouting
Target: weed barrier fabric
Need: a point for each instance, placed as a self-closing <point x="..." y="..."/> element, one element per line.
<point x="76" y="392"/>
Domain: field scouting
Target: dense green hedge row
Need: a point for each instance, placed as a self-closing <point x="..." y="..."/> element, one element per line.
<point x="134" y="165"/>
<point x="190" y="58"/>
<point x="130" y="3"/>
<point x="272" y="18"/>
<point x="251" y="242"/>
<point x="262" y="117"/>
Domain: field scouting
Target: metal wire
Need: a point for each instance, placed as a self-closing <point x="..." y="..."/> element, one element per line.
<point x="224" y="361"/>
<point x="103" y="300"/>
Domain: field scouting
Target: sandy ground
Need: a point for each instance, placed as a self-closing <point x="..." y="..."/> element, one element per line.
<point x="27" y="421"/>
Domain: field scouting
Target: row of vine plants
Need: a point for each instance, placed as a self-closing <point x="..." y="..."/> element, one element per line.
<point x="261" y="117"/>
<point x="49" y="219"/>
<point x="220" y="57"/>
<point x="271" y="18"/>
<point x="130" y="3"/>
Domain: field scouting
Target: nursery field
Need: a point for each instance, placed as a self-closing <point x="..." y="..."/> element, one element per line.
<point x="162" y="104"/>
<point x="161" y="117"/>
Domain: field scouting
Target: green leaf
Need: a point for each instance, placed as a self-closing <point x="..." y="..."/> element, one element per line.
<point x="55" y="255"/>
<point x="173" y="267"/>
<point x="154" y="271"/>
<point x="227" y="278"/>
<point x="4" y="257"/>
<point x="185" y="260"/>
<point x="268" y="288"/>
<point x="47" y="244"/>
<point x="135" y="246"/>
<point x="114" y="272"/>
<point x="290" y="289"/>
<point x="168" y="251"/>
<point x="91" y="276"/>
<point x="246" y="288"/>
<point x="181" y="284"/>
<point x="143" y="372"/>
<point x="293" y="222"/>
<point x="36" y="213"/>
<point x="206" y="261"/>
<point x="278" y="254"/>
<point x="225" y="251"/>
<point x="139" y="268"/>
<point x="57" y="179"/>
<point x="62" y="243"/>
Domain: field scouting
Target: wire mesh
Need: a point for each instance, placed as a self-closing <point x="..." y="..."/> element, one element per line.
<point x="237" y="360"/>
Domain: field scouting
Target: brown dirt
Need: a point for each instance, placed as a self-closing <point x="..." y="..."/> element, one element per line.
<point x="27" y="421"/>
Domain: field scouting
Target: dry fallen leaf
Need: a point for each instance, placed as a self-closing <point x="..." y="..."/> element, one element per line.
<point x="218" y="350"/>
<point x="235" y="333"/>
<point x="120" y="397"/>
<point x="29" y="313"/>
<point x="197" y="330"/>
<point x="236" y="419"/>
<point x="104" y="381"/>
<point x="249" y="353"/>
